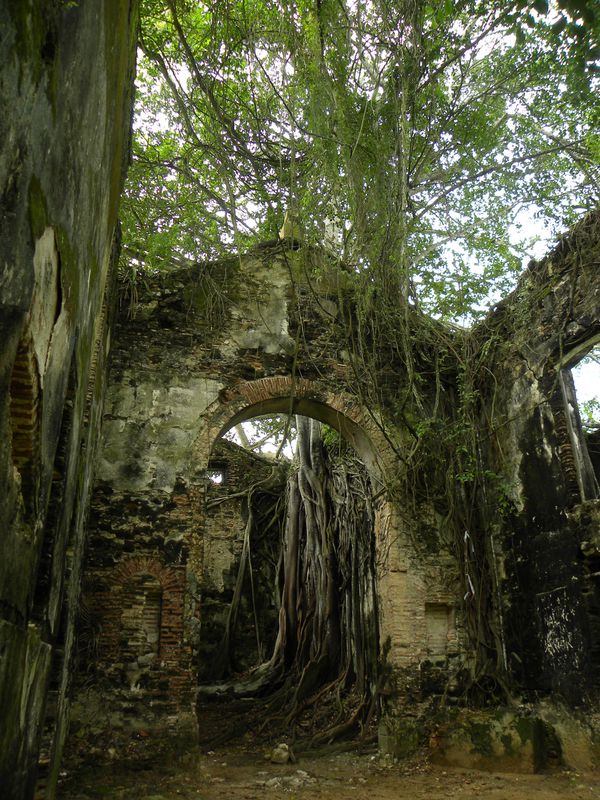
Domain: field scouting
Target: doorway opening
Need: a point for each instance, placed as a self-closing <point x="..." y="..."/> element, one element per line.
<point x="289" y="608"/>
<point x="580" y="383"/>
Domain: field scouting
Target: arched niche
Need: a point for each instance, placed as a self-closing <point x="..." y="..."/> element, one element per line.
<point x="140" y="621"/>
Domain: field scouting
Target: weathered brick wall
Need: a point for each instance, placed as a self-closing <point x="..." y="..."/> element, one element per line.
<point x="182" y="373"/>
<point x="66" y="84"/>
<point x="132" y="536"/>
<point x="225" y="519"/>
<point x="158" y="677"/>
<point x="138" y="536"/>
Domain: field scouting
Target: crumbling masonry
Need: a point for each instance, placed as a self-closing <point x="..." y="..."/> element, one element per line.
<point x="184" y="368"/>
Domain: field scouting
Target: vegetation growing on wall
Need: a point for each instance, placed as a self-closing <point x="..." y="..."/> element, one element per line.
<point x="412" y="138"/>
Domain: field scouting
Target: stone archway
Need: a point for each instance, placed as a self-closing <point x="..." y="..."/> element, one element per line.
<point x="179" y="382"/>
<point x="405" y="592"/>
<point x="283" y="394"/>
<point x="239" y="531"/>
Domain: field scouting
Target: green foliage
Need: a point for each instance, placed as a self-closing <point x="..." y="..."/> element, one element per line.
<point x="331" y="438"/>
<point x="412" y="137"/>
<point x="270" y="435"/>
<point x="585" y="374"/>
<point x="574" y="24"/>
<point x="590" y="414"/>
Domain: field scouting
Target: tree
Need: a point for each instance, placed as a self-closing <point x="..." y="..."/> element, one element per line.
<point x="327" y="644"/>
<point x="270" y="436"/>
<point x="412" y="136"/>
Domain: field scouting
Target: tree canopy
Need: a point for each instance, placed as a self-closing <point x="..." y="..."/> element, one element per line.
<point x="414" y="138"/>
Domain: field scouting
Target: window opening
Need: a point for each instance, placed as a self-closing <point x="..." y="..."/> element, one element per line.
<point x="216" y="476"/>
<point x="580" y="386"/>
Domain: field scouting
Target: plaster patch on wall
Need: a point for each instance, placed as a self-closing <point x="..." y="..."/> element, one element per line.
<point x="149" y="431"/>
<point x="438" y="627"/>
<point x="45" y="300"/>
<point x="525" y="395"/>
<point x="261" y="318"/>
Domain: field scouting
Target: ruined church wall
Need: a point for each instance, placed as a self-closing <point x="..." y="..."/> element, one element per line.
<point x="66" y="83"/>
<point x="191" y="350"/>
<point x="543" y="515"/>
<point x="184" y="341"/>
<point x="173" y="355"/>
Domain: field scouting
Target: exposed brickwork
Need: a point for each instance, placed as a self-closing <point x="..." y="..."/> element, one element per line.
<point x="109" y="596"/>
<point x="97" y="357"/>
<point x="180" y="378"/>
<point x="112" y="566"/>
<point x="24" y="411"/>
<point x="178" y="381"/>
<point x="224" y="522"/>
<point x="299" y="395"/>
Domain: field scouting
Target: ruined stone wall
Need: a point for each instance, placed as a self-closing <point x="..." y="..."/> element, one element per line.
<point x="196" y="351"/>
<point x="534" y="516"/>
<point x="126" y="550"/>
<point x="225" y="519"/>
<point x="137" y="667"/>
<point x="66" y="86"/>
<point x="542" y="506"/>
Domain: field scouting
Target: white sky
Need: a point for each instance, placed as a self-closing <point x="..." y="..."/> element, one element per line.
<point x="587" y="380"/>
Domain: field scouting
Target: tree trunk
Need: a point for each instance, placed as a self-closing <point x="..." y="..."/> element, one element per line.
<point x="327" y="642"/>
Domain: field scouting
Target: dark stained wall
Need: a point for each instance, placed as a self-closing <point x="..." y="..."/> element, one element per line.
<point x="542" y="497"/>
<point x="66" y="87"/>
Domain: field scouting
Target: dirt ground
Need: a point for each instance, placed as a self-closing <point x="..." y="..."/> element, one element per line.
<point x="240" y="769"/>
<point x="239" y="773"/>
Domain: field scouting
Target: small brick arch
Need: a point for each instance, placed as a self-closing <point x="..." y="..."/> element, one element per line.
<point x="284" y="394"/>
<point x="170" y="579"/>
<point x="25" y="414"/>
<point x="105" y="601"/>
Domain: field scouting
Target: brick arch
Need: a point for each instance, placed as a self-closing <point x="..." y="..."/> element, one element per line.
<point x="282" y="394"/>
<point x="25" y="414"/>
<point x="105" y="602"/>
<point x="170" y="579"/>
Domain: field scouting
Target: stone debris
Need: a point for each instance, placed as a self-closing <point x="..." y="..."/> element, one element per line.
<point x="287" y="782"/>
<point x="280" y="754"/>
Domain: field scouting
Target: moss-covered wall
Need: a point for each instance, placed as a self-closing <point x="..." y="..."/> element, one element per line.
<point x="66" y="85"/>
